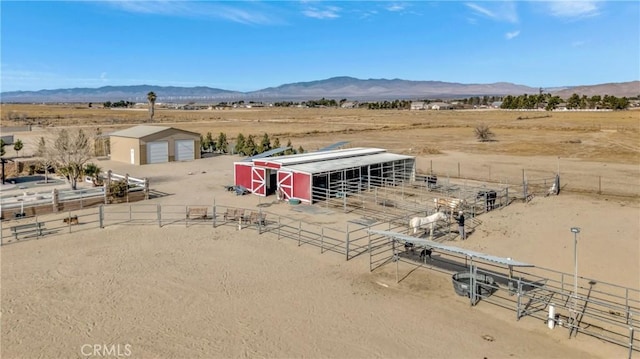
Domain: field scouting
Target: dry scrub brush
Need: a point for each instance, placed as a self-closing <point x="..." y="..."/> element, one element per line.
<point x="484" y="133"/>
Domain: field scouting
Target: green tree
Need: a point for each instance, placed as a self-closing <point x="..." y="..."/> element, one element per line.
<point x="276" y="143"/>
<point x="151" y="98"/>
<point x="552" y="103"/>
<point x="240" y="143"/>
<point x="17" y="146"/>
<point x="573" y="102"/>
<point x="290" y="149"/>
<point x="300" y="149"/>
<point x="250" y="148"/>
<point x="222" y="145"/>
<point x="92" y="170"/>
<point x="265" y="144"/>
<point x="211" y="143"/>
<point x="2" y="144"/>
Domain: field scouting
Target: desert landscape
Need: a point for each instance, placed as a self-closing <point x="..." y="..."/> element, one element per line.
<point x="223" y="292"/>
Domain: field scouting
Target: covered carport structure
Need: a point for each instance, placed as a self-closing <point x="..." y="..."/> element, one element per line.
<point x="476" y="284"/>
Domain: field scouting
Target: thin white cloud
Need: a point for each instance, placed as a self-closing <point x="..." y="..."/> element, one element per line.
<point x="578" y="43"/>
<point x="329" y="12"/>
<point x="497" y="11"/>
<point x="512" y="34"/>
<point x="396" y="7"/>
<point x="574" y="9"/>
<point x="198" y="9"/>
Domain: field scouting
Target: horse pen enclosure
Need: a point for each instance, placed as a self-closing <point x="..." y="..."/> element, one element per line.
<point x="598" y="309"/>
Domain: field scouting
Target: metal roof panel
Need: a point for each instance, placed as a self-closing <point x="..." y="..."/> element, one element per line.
<point x="466" y="252"/>
<point x="345" y="163"/>
<point x="139" y="131"/>
<point x="325" y="155"/>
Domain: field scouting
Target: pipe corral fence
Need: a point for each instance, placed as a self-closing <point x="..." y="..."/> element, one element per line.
<point x="30" y="204"/>
<point x="604" y="310"/>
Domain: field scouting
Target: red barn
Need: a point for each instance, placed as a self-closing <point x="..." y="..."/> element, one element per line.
<point x="316" y="176"/>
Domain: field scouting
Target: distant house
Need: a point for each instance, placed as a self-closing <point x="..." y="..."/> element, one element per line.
<point x="349" y="104"/>
<point x="496" y="104"/>
<point x="440" y="106"/>
<point x="419" y="105"/>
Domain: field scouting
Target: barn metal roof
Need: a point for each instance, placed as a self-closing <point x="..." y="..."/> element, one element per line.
<point x="333" y="146"/>
<point x="316" y="157"/>
<point x="466" y="252"/>
<point x="266" y="154"/>
<point x="345" y="163"/>
<point x="139" y="131"/>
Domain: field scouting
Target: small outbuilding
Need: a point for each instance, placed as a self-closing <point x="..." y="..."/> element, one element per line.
<point x="317" y="176"/>
<point x="145" y="144"/>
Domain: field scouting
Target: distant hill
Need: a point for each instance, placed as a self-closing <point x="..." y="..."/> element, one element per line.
<point x="620" y="89"/>
<point x="334" y="88"/>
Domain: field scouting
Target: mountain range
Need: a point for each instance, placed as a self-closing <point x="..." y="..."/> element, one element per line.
<point x="333" y="88"/>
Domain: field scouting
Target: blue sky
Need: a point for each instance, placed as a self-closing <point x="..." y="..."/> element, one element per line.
<point x="250" y="45"/>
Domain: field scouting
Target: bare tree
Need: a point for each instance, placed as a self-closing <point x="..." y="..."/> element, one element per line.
<point x="70" y="152"/>
<point x="483" y="133"/>
<point x="44" y="153"/>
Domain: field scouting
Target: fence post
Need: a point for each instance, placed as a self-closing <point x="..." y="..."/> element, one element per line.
<point x="186" y="216"/>
<point x="299" y="232"/>
<point x="159" y="211"/>
<point x="458" y="169"/>
<point x="346" y="247"/>
<point x="81" y="199"/>
<point x="129" y="211"/>
<point x="321" y="240"/>
<point x="524" y="186"/>
<point x="69" y="221"/>
<point x="54" y="200"/>
<point x="126" y="182"/>
<point x="260" y="221"/>
<point x="107" y="186"/>
<point x="518" y="303"/>
<point x="630" y="341"/>
<point x="506" y="203"/>
<point x="101" y="216"/>
<point x="599" y="184"/>
<point x="279" y="227"/>
<point x="146" y="188"/>
<point x="214" y="213"/>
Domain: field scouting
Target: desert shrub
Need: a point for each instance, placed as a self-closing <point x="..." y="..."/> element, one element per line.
<point x="118" y="188"/>
<point x="483" y="133"/>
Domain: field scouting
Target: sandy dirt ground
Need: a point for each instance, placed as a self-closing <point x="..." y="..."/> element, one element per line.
<point x="203" y="292"/>
<point x="199" y="292"/>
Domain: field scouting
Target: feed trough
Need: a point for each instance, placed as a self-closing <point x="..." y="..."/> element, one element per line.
<point x="485" y="285"/>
